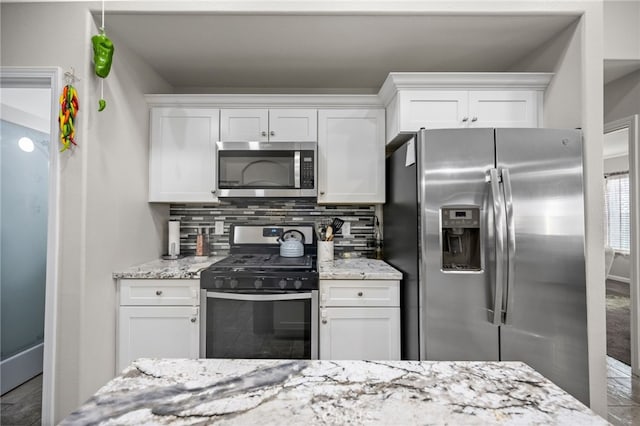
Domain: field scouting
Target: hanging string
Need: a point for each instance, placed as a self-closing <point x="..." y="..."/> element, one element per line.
<point x="102" y="88"/>
<point x="102" y="27"/>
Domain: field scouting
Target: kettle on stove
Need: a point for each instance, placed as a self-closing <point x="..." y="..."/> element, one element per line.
<point x="291" y="243"/>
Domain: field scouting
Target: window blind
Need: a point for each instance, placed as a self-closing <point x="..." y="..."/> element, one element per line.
<point x="617" y="211"/>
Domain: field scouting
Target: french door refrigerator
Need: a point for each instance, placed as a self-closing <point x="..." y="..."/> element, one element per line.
<point x="487" y="226"/>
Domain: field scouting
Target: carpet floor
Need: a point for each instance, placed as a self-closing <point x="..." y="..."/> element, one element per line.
<point x="618" y="321"/>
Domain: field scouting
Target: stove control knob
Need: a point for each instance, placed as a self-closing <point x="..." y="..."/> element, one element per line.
<point x="257" y="284"/>
<point x="297" y="284"/>
<point x="233" y="283"/>
<point x="218" y="282"/>
<point x="282" y="284"/>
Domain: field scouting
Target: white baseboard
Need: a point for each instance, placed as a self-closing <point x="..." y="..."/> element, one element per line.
<point x="619" y="279"/>
<point x="21" y="367"/>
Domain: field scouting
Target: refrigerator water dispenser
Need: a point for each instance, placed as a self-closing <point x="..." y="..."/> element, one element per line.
<point x="460" y="238"/>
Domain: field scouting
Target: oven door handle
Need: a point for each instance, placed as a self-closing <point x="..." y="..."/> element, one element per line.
<point x="259" y="297"/>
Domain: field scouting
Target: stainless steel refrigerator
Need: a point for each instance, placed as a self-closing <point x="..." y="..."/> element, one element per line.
<point x="487" y="226"/>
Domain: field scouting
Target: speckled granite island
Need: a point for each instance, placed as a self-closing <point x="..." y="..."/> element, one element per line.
<point x="266" y="392"/>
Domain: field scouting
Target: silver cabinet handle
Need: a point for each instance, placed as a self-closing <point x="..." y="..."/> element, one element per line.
<point x="321" y="192"/>
<point x="213" y="191"/>
<point x="193" y="319"/>
<point x="359" y="293"/>
<point x="263" y="133"/>
<point x="272" y="133"/>
<point x="474" y="119"/>
<point x="158" y="292"/>
<point x="324" y="321"/>
<point x="511" y="244"/>
<point x="499" y="223"/>
<point x="465" y="119"/>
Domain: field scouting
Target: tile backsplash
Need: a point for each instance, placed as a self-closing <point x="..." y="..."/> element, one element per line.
<point x="361" y="243"/>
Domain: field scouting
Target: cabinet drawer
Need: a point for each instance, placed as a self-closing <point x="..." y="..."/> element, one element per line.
<point x="359" y="293"/>
<point x="160" y="292"/>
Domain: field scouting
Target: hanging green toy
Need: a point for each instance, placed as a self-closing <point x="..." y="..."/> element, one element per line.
<point x="103" y="49"/>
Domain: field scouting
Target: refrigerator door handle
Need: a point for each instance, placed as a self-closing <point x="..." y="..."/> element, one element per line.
<point x="511" y="244"/>
<point x="499" y="222"/>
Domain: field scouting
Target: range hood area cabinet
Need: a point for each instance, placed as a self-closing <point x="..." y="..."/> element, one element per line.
<point x="351" y="153"/>
<point x="461" y="100"/>
<point x="269" y="125"/>
<point x="182" y="154"/>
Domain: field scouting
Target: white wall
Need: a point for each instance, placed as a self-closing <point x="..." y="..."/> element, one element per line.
<point x="106" y="223"/>
<point x="616" y="164"/>
<point x="621" y="29"/>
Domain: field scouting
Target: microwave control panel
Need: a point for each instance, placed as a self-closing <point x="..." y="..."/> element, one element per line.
<point x="307" y="169"/>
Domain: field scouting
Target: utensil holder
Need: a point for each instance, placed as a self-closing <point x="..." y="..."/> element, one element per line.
<point x="325" y="251"/>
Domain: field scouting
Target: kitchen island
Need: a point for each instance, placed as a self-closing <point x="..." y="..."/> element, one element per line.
<point x="236" y="391"/>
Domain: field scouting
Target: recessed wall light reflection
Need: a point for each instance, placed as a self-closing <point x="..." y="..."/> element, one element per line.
<point x="26" y="144"/>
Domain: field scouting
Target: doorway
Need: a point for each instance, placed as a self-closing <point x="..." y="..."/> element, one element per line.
<point x="621" y="239"/>
<point x="29" y="233"/>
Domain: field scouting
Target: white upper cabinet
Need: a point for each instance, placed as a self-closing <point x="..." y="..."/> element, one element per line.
<point x="182" y="157"/>
<point x="268" y="125"/>
<point x="453" y="100"/>
<point x="445" y="108"/>
<point x="503" y="108"/>
<point x="351" y="156"/>
<point x="293" y="125"/>
<point x="246" y="124"/>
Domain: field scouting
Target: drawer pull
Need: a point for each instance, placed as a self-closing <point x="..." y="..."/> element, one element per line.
<point x="360" y="293"/>
<point x="158" y="292"/>
<point x="193" y="320"/>
<point x="324" y="321"/>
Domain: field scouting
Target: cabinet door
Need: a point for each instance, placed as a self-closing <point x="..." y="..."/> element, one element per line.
<point x="503" y="108"/>
<point x="244" y="124"/>
<point x="293" y="125"/>
<point x="433" y="109"/>
<point x="360" y="333"/>
<point x="182" y="159"/>
<point x="351" y="156"/>
<point x="157" y="332"/>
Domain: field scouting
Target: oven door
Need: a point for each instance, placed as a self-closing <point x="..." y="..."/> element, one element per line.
<point x="259" y="325"/>
<point x="262" y="169"/>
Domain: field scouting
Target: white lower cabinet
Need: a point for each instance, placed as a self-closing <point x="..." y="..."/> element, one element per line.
<point x="157" y="319"/>
<point x="359" y="319"/>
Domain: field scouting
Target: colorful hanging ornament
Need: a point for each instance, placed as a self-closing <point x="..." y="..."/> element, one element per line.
<point x="69" y="108"/>
<point x="103" y="49"/>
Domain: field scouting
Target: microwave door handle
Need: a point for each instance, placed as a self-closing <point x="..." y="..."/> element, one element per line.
<point x="296" y="169"/>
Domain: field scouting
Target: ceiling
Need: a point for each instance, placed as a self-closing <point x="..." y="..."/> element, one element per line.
<point x="321" y="53"/>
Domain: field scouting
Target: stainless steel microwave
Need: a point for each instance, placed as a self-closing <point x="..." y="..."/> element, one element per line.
<point x="267" y="169"/>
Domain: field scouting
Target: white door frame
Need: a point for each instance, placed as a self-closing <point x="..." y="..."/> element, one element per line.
<point x="46" y="77"/>
<point x="631" y="123"/>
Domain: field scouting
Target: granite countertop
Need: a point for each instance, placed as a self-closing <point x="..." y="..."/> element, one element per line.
<point x="358" y="269"/>
<point x="183" y="268"/>
<point x="265" y="392"/>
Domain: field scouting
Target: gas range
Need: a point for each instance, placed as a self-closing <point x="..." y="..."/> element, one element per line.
<point x="256" y="265"/>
